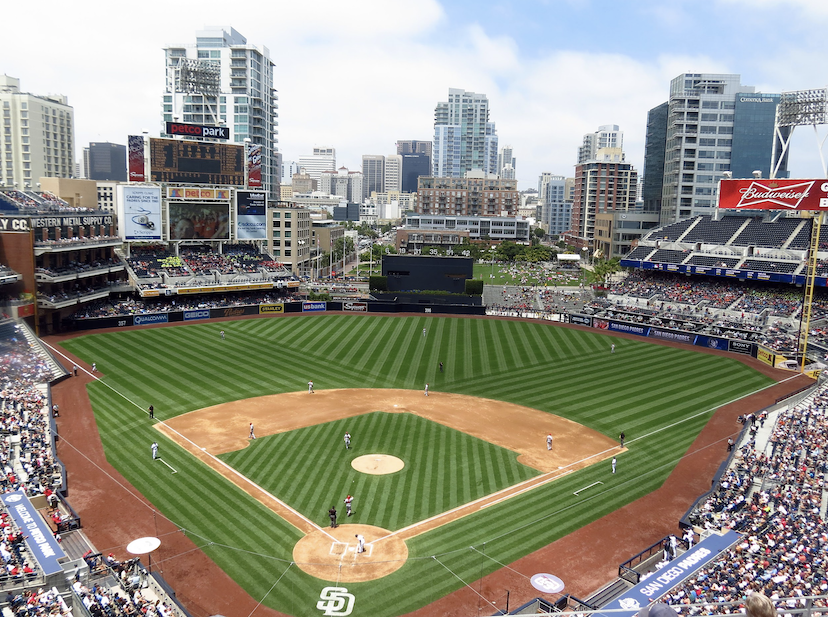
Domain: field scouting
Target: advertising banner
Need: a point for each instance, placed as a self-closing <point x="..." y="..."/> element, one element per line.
<point x="765" y="355"/>
<point x="141" y="218"/>
<point x="143" y="320"/>
<point x="675" y="572"/>
<point x="581" y="320"/>
<point x="135" y="159"/>
<point x="312" y="307"/>
<point x="740" y="347"/>
<point x="235" y="311"/>
<point x="183" y="291"/>
<point x="712" y="342"/>
<point x="672" y="335"/>
<point x="251" y="207"/>
<point x="270" y="309"/>
<point x="198" y="314"/>
<point x="193" y="192"/>
<point x="355" y="306"/>
<point x="198" y="130"/>
<point x="39" y="537"/>
<point x="782" y="194"/>
<point x="603" y="324"/>
<point x="254" y="165"/>
<point x="202" y="221"/>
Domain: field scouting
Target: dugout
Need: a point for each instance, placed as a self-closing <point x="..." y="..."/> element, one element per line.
<point x="427" y="273"/>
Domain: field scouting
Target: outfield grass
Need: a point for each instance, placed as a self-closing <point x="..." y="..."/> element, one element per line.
<point x="659" y="396"/>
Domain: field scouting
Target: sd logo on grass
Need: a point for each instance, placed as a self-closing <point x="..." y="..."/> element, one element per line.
<point x="335" y="602"/>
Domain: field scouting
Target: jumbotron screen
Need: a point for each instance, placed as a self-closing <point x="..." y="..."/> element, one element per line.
<point x="196" y="162"/>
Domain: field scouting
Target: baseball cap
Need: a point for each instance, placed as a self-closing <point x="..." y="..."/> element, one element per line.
<point x="658" y="609"/>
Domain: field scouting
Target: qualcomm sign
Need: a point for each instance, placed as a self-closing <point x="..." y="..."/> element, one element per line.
<point x="143" y="320"/>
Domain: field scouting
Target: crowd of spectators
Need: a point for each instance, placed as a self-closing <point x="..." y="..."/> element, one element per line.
<point x="112" y="307"/>
<point x="74" y="267"/>
<point x="677" y="288"/>
<point x="40" y="602"/>
<point x="772" y="494"/>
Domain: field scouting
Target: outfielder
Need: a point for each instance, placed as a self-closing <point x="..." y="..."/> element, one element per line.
<point x="347" y="441"/>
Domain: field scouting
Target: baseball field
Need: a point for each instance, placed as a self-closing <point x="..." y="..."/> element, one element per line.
<point x="478" y="488"/>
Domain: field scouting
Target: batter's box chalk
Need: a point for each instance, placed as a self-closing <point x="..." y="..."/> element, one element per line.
<point x="339" y="548"/>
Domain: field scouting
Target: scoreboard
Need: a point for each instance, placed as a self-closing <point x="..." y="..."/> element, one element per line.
<point x="196" y="162"/>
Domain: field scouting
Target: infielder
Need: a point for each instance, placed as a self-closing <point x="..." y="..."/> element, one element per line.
<point x="549" y="441"/>
<point x="154" y="448"/>
<point x="426" y="390"/>
<point x="347" y="441"/>
<point x="348" y="502"/>
<point x="613" y="464"/>
<point x="251" y="434"/>
<point x="310" y="387"/>
<point x="360" y="543"/>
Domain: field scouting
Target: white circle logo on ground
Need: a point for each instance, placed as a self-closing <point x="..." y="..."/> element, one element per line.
<point x="547" y="583"/>
<point x="377" y="464"/>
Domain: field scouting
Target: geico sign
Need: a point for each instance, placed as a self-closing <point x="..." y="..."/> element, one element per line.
<point x="14" y="224"/>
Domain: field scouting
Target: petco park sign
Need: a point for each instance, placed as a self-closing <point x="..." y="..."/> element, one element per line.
<point x="198" y="130"/>
<point x="774" y="194"/>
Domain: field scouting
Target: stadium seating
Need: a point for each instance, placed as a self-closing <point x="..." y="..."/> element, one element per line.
<point x="710" y="231"/>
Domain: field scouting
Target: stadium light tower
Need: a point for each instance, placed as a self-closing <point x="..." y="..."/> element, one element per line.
<point x="799" y="108"/>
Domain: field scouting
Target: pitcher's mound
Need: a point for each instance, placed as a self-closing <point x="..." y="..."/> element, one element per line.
<point x="377" y="464"/>
<point x="330" y="554"/>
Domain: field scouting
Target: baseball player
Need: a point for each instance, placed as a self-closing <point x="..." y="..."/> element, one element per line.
<point x="613" y="464"/>
<point x="94" y="367"/>
<point x="549" y="441"/>
<point x="689" y="536"/>
<point x="347" y="441"/>
<point x="360" y="543"/>
<point x="426" y="390"/>
<point x="222" y="335"/>
<point x="424" y="331"/>
<point x="310" y="387"/>
<point x="612" y="348"/>
<point x="348" y="502"/>
<point x="251" y="434"/>
<point x="154" y="448"/>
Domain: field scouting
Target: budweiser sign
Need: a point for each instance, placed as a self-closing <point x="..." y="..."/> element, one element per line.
<point x="774" y="194"/>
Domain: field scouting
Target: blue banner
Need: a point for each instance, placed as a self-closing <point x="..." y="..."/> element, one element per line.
<point x="39" y="537"/>
<point x="143" y="320"/>
<point x="614" y="326"/>
<point x="713" y="342"/>
<point x="309" y="307"/>
<point x="199" y="314"/>
<point x="675" y="572"/>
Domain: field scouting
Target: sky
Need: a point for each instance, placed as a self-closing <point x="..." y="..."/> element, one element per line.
<point x="360" y="75"/>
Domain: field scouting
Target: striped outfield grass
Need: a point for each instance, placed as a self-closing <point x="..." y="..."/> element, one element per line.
<point x="444" y="469"/>
<point x="659" y="396"/>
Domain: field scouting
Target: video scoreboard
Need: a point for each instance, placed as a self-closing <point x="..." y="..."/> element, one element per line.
<point x="196" y="162"/>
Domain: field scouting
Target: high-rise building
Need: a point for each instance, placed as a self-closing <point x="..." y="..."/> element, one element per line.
<point x="554" y="209"/>
<point x="604" y="184"/>
<point x="344" y="183"/>
<point x="105" y="161"/>
<point x="476" y="194"/>
<point x="288" y="169"/>
<point x="373" y="174"/>
<point x="393" y="173"/>
<point x="414" y="166"/>
<point x="413" y="146"/>
<point x="506" y="163"/>
<point x="322" y="159"/>
<point x="607" y="136"/>
<point x="223" y="80"/>
<point x="464" y="139"/>
<point x="38" y="136"/>
<point x="714" y="125"/>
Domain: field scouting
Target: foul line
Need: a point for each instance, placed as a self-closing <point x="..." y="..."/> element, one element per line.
<point x="207" y="454"/>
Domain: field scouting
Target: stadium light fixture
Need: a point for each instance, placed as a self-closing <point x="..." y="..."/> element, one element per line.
<point x="798" y="108"/>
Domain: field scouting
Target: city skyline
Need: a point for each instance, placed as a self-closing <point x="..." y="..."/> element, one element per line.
<point x="552" y="71"/>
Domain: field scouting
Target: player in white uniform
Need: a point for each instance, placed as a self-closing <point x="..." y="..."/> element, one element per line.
<point x="310" y="387"/>
<point x="349" y="500"/>
<point x="360" y="543"/>
<point x="251" y="434"/>
<point x="154" y="448"/>
<point x="426" y="390"/>
<point x="347" y="441"/>
<point x="549" y="441"/>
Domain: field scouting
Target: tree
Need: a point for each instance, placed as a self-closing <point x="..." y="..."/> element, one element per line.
<point x="539" y="233"/>
<point x="507" y="250"/>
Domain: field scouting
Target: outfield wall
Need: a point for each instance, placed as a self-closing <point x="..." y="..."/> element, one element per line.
<point x="277" y="308"/>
